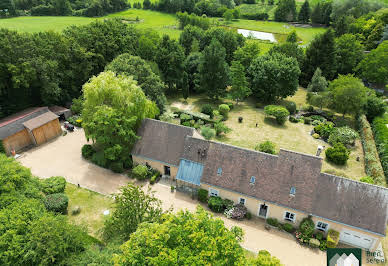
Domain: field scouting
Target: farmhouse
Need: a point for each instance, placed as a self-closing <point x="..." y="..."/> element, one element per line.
<point x="288" y="186"/>
<point x="32" y="126"/>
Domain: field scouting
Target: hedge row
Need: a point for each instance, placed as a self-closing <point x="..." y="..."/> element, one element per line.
<point x="373" y="166"/>
<point x="380" y="130"/>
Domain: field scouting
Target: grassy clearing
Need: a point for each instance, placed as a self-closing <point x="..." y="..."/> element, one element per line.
<point x="92" y="206"/>
<point x="291" y="136"/>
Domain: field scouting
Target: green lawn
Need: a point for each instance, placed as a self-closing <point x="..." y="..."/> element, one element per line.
<point x="291" y="136"/>
<point x="92" y="206"/>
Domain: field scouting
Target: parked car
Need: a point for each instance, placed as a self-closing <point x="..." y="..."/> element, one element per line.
<point x="68" y="126"/>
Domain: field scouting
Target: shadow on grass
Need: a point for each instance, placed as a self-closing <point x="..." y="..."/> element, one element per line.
<point x="272" y="122"/>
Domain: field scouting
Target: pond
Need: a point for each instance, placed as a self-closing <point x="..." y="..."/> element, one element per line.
<point x="258" y="35"/>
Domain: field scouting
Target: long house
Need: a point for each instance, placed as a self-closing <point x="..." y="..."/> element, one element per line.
<point x="288" y="186"/>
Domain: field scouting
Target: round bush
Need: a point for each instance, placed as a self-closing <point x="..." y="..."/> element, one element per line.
<point x="224" y="110"/>
<point x="314" y="243"/>
<point x="288" y="228"/>
<point x="76" y="210"/>
<point x="202" y="195"/>
<point x="54" y="184"/>
<point x="216" y="204"/>
<point x="293" y="119"/>
<point x="307" y="227"/>
<point x="207" y="132"/>
<point x="87" y="151"/>
<point x="267" y="147"/>
<point x="140" y="172"/>
<point x="56" y="202"/>
<point x="307" y="120"/>
<point x="290" y="106"/>
<point x="338" y="154"/>
<point x="207" y="109"/>
<point x="279" y="112"/>
<point x="344" y="135"/>
<point x="316" y="136"/>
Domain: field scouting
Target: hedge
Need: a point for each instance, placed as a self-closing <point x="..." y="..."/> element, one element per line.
<point x="216" y="204"/>
<point x="380" y="131"/>
<point x="87" y="151"/>
<point x="2" y="149"/>
<point x="140" y="172"/>
<point x="57" y="202"/>
<point x="373" y="166"/>
<point x="332" y="238"/>
<point x="202" y="195"/>
<point x="54" y="184"/>
<point x="272" y="221"/>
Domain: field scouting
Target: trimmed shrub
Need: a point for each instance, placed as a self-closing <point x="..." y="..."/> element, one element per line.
<point x="316" y="136"/>
<point x="314" y="243"/>
<point x="344" y="135"/>
<point x="373" y="166"/>
<point x="224" y="110"/>
<point x="153" y="179"/>
<point x="216" y="204"/>
<point x="290" y="106"/>
<point x="231" y="106"/>
<point x="338" y="154"/>
<point x="54" y="184"/>
<point x="76" y="210"/>
<point x="279" y="112"/>
<point x="272" y="221"/>
<point x="140" y="172"/>
<point x="207" y="109"/>
<point x="87" y="151"/>
<point x="307" y="227"/>
<point x="318" y="118"/>
<point x="332" y="238"/>
<point x="56" y="202"/>
<point x="293" y="119"/>
<point x="228" y="204"/>
<point x="127" y="162"/>
<point x="380" y="131"/>
<point x="319" y="236"/>
<point x="99" y="159"/>
<point x="324" y="129"/>
<point x="307" y="120"/>
<point x="116" y="167"/>
<point x="221" y="128"/>
<point x="288" y="228"/>
<point x="267" y="147"/>
<point x="185" y="117"/>
<point x="207" y="132"/>
<point x="248" y="215"/>
<point x="2" y="149"/>
<point x="202" y="195"/>
<point x="323" y="245"/>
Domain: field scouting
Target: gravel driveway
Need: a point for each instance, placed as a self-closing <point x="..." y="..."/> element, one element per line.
<point x="62" y="156"/>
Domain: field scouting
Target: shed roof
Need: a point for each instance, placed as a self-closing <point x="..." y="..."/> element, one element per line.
<point x="14" y="123"/>
<point x="40" y="120"/>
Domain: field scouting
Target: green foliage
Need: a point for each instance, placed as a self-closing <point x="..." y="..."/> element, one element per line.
<point x="224" y="110"/>
<point x="305" y="12"/>
<point x="374" y="67"/>
<point x="289" y="49"/>
<point x="190" y="234"/>
<point x="314" y="243"/>
<point x="202" y="195"/>
<point x="99" y="159"/>
<point x="267" y="147"/>
<point x="272" y="221"/>
<point x="2" y="149"/>
<point x="318" y="82"/>
<point x="240" y="89"/>
<point x="207" y="132"/>
<point x="140" y="172"/>
<point x="380" y="131"/>
<point x="319" y="99"/>
<point x="307" y="227"/>
<point x="290" y="106"/>
<point x="141" y="71"/>
<point x="292" y="37"/>
<point x="350" y="52"/>
<point x="344" y="135"/>
<point x="350" y="90"/>
<point x="367" y="179"/>
<point x="338" y="154"/>
<point x="274" y="76"/>
<point x="56" y="202"/>
<point x="286" y="10"/>
<point x="221" y="128"/>
<point x="207" y="109"/>
<point x="247" y="53"/>
<point x="374" y="107"/>
<point x="332" y="238"/>
<point x="213" y="70"/>
<point x="264" y="258"/>
<point x="307" y="120"/>
<point x="373" y="166"/>
<point x="113" y="110"/>
<point x="54" y="184"/>
<point x="288" y="228"/>
<point x="216" y="204"/>
<point x="279" y="112"/>
<point x="193" y="20"/>
<point x="116" y="167"/>
<point x="75" y="120"/>
<point x="77" y="105"/>
<point x="87" y="151"/>
<point x="132" y="207"/>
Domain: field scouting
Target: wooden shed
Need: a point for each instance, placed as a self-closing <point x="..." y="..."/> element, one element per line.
<point x="30" y="127"/>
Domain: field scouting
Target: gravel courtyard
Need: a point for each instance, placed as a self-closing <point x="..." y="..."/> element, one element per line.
<point x="62" y="157"/>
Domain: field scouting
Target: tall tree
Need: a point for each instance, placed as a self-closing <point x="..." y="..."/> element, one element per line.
<point x="141" y="71"/>
<point x="318" y="82"/>
<point x="305" y="12"/>
<point x="320" y="53"/>
<point x="290" y="49"/>
<point x="292" y="37"/>
<point x="247" y="53"/>
<point x="239" y="90"/>
<point x="191" y="67"/>
<point x="349" y="53"/>
<point x="274" y="76"/>
<point x="189" y="35"/>
<point x="286" y="10"/>
<point x="321" y="13"/>
<point x="213" y="70"/>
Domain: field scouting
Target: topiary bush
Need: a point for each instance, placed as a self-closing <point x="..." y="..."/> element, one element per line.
<point x="216" y="204"/>
<point x="202" y="195"/>
<point x="272" y="221"/>
<point x="224" y="110"/>
<point x="56" y="202"/>
<point x="207" y="109"/>
<point x="279" y="112"/>
<point x="116" y="167"/>
<point x="267" y="147"/>
<point x="332" y="238"/>
<point x="87" y="151"/>
<point x="140" y="172"/>
<point x="314" y="243"/>
<point x="290" y="106"/>
<point x="344" y="135"/>
<point x="338" y="154"/>
<point x="288" y="228"/>
<point x="54" y="184"/>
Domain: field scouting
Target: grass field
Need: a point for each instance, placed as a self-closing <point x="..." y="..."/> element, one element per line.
<point x="291" y="136"/>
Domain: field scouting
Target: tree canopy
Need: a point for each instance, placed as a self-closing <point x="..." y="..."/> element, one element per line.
<point x="374" y="67"/>
<point x="349" y="53"/>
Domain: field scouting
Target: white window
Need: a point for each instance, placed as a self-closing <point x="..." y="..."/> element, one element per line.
<point x="253" y="180"/>
<point x="219" y="171"/>
<point x="242" y="201"/>
<point x="322" y="226"/>
<point x="213" y="192"/>
<point x="289" y="216"/>
<point x="292" y="191"/>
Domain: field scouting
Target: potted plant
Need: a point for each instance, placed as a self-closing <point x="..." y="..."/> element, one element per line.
<point x="172" y="189"/>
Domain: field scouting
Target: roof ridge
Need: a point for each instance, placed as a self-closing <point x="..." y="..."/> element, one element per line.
<point x="168" y="123"/>
<point x="303" y="154"/>
<point x="355" y="181"/>
<point x="33" y="110"/>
